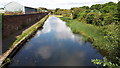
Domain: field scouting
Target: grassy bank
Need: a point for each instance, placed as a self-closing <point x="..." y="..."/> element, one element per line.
<point x="56" y="16"/>
<point x="30" y="30"/>
<point x="98" y="35"/>
<point x="20" y="40"/>
<point x="90" y="32"/>
<point x="102" y="28"/>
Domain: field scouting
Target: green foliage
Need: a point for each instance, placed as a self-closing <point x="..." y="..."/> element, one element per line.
<point x="85" y="7"/>
<point x="5" y="62"/>
<point x="118" y="14"/>
<point x="99" y="24"/>
<point x="63" y="12"/>
<point x="105" y="62"/>
<point x="108" y="9"/>
<point x="67" y="19"/>
<point x="57" y="9"/>
<point x="109" y="4"/>
<point x="108" y="18"/>
<point x="41" y="9"/>
<point x="94" y="18"/>
<point x="1" y="15"/>
<point x="81" y="17"/>
<point x="75" y="12"/>
<point x="112" y="34"/>
<point x="97" y="7"/>
<point x="99" y="14"/>
<point x="90" y="32"/>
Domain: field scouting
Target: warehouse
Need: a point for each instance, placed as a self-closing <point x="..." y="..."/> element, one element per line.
<point x="16" y="7"/>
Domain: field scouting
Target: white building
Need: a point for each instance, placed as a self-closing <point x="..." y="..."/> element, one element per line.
<point x="16" y="7"/>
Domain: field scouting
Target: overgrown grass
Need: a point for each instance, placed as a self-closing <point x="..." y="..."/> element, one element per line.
<point x="30" y="31"/>
<point x="57" y="15"/>
<point x="90" y="32"/>
<point x="104" y="38"/>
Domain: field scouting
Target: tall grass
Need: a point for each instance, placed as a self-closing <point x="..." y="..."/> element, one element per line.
<point x="89" y="32"/>
<point x="104" y="38"/>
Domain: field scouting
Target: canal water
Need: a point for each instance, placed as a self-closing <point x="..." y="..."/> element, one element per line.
<point x="56" y="45"/>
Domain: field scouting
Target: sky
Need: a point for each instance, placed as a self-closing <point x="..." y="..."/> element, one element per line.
<point x="52" y="4"/>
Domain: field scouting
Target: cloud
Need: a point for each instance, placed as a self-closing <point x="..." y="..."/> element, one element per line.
<point x="82" y="3"/>
<point x="45" y="52"/>
<point x="52" y="4"/>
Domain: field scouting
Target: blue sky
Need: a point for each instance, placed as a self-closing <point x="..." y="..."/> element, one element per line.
<point x="52" y="4"/>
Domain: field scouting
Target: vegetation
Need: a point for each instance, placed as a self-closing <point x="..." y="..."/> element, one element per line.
<point x="23" y="37"/>
<point x="5" y="62"/>
<point x="99" y="24"/>
<point x="41" y="9"/>
<point x="29" y="31"/>
<point x="63" y="12"/>
<point x="58" y="16"/>
<point x="90" y="32"/>
<point x="105" y="62"/>
<point x="1" y="17"/>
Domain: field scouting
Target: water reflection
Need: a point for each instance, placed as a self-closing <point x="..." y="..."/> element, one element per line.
<point x="56" y="45"/>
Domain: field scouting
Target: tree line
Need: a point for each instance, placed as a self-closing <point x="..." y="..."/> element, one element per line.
<point x="106" y="17"/>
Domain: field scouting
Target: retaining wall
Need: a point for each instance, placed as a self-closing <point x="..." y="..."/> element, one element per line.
<point x="13" y="23"/>
<point x="12" y="50"/>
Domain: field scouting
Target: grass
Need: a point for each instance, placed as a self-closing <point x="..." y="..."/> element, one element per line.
<point x="89" y="32"/>
<point x="23" y="37"/>
<point x="57" y="15"/>
<point x="29" y="31"/>
<point x="104" y="38"/>
<point x="1" y="17"/>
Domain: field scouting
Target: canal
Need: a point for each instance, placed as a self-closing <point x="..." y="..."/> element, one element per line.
<point x="56" y="45"/>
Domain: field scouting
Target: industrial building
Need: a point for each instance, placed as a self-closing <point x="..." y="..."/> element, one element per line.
<point x="16" y="7"/>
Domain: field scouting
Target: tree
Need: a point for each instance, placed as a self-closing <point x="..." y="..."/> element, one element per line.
<point x="97" y="7"/>
<point x="85" y="7"/>
<point x="57" y="9"/>
<point x="41" y="9"/>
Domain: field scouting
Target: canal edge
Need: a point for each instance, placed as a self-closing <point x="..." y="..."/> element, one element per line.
<point x="22" y="40"/>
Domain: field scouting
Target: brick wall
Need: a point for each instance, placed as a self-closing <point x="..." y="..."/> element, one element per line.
<point x="13" y="23"/>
